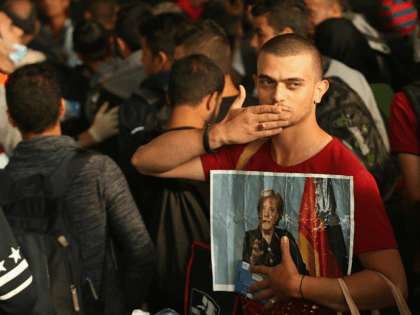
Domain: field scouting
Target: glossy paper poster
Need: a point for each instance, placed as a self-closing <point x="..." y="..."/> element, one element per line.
<point x="316" y="212"/>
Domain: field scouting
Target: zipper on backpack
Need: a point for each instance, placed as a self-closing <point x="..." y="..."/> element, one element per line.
<point x="75" y="298"/>
<point x="92" y="288"/>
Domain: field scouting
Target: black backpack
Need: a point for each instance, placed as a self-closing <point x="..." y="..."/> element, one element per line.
<point x="48" y="238"/>
<point x="343" y="115"/>
<point x="199" y="294"/>
<point x="413" y="93"/>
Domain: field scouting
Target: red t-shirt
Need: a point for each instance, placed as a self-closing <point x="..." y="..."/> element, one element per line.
<point x="403" y="127"/>
<point x="373" y="230"/>
<point x="193" y="13"/>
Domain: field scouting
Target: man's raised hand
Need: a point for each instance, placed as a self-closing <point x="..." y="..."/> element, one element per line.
<point x="241" y="124"/>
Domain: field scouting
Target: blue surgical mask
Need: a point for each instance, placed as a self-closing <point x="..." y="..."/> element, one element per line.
<point x="16" y="52"/>
<point x="19" y="52"/>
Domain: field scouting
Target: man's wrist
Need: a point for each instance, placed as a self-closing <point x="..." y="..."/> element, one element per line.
<point x="216" y="137"/>
<point x="297" y="285"/>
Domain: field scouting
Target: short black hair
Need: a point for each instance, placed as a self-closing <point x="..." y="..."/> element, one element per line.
<point x="28" y="24"/>
<point x="208" y="38"/>
<point x="33" y="97"/>
<point x="294" y="45"/>
<point x="130" y="16"/>
<point x="103" y="10"/>
<point x="90" y="39"/>
<point x="284" y="13"/>
<point x="160" y="32"/>
<point x="192" y="78"/>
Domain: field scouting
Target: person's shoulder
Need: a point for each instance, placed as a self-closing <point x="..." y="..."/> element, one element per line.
<point x="342" y="159"/>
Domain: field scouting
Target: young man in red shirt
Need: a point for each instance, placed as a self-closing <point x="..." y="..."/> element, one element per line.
<point x="290" y="81"/>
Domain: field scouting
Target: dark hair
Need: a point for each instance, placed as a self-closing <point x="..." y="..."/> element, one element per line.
<point x="102" y="10"/>
<point x="129" y="18"/>
<point x="90" y="40"/>
<point x="284" y="13"/>
<point x="33" y="97"/>
<point x="294" y="45"/>
<point x="28" y="24"/>
<point x="192" y="78"/>
<point x="208" y="38"/>
<point x="271" y="193"/>
<point x="160" y="32"/>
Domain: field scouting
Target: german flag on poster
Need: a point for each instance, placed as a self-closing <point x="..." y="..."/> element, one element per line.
<point x="313" y="240"/>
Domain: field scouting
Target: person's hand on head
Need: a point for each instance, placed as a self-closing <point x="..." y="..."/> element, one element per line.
<point x="241" y="125"/>
<point x="105" y="123"/>
<point x="283" y="280"/>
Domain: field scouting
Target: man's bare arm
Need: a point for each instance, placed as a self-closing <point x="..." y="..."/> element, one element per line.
<point x="410" y="169"/>
<point x="368" y="289"/>
<point x="167" y="154"/>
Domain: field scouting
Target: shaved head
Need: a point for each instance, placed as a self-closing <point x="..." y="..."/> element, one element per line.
<point x="293" y="45"/>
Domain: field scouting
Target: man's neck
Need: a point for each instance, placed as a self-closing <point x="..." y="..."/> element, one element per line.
<point x="57" y="23"/>
<point x="229" y="89"/>
<point x="298" y="143"/>
<point x="54" y="131"/>
<point x="185" y="116"/>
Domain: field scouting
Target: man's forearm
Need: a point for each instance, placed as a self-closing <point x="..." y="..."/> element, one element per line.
<point x="174" y="148"/>
<point x="368" y="290"/>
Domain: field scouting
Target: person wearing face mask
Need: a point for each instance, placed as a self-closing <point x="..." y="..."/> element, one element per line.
<point x="24" y="15"/>
<point x="10" y="55"/>
<point x="262" y="245"/>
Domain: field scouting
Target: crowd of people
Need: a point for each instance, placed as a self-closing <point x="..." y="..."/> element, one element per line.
<point x="113" y="113"/>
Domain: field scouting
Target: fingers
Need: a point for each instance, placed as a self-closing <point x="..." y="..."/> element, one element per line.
<point x="262" y="109"/>
<point x="103" y="108"/>
<point x="267" y="118"/>
<point x="259" y="269"/>
<point x="239" y="99"/>
<point x="285" y="247"/>
<point x="270" y="304"/>
<point x="258" y="286"/>
<point x="263" y="295"/>
<point x="114" y="110"/>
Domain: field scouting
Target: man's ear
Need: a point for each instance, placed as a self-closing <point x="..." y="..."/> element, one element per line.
<point x="320" y="89"/>
<point x="88" y="15"/>
<point x="213" y="101"/>
<point x="286" y="30"/>
<point x="335" y="10"/>
<point x="62" y="111"/>
<point x="11" y="120"/>
<point x="37" y="27"/>
<point x="162" y="62"/>
<point x="167" y="99"/>
<point x="122" y="46"/>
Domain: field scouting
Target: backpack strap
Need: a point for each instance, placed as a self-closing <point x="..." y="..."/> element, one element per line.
<point x="413" y="93"/>
<point x="152" y="97"/>
<point x="248" y="152"/>
<point x="67" y="170"/>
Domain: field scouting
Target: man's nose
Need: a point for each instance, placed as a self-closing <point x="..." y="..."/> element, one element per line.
<point x="254" y="42"/>
<point x="279" y="93"/>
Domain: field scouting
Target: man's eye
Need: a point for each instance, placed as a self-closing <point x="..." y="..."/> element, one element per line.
<point x="266" y="82"/>
<point x="294" y="84"/>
